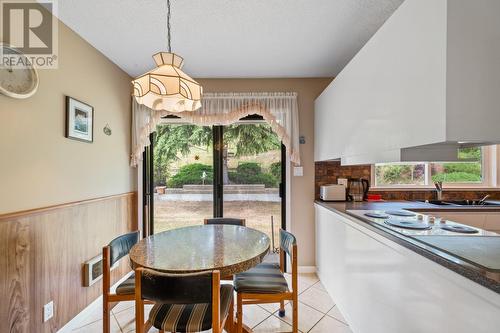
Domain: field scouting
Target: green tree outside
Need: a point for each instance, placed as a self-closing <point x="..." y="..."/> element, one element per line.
<point x="469" y="171"/>
<point x="173" y="141"/>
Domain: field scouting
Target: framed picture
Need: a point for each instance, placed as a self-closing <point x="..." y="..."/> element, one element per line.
<point x="79" y="120"/>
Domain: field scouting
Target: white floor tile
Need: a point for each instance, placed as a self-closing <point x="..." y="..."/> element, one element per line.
<point x="96" y="326"/>
<point x="301" y="285"/>
<point x="254" y="315"/>
<point x="317" y="299"/>
<point x="335" y="313"/>
<point x="308" y="317"/>
<point x="121" y="306"/>
<point x="318" y="285"/>
<point x="272" y="325"/>
<point x="330" y="325"/>
<point x="126" y="318"/>
<point x="308" y="278"/>
<point x="271" y="307"/>
<point x="304" y="281"/>
<point x="90" y="318"/>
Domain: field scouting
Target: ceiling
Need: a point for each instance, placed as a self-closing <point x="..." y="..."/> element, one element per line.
<point x="231" y="38"/>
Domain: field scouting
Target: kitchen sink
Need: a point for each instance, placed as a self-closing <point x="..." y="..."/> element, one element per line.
<point x="474" y="203"/>
<point x="436" y="202"/>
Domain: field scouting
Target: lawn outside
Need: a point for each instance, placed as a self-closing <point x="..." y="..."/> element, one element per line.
<point x="171" y="214"/>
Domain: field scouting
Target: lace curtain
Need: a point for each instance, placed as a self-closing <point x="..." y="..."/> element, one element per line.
<point x="279" y="110"/>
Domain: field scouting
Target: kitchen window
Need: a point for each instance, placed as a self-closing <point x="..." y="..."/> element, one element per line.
<point x="478" y="169"/>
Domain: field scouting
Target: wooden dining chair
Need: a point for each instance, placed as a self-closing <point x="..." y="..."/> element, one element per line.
<point x="183" y="302"/>
<point x="111" y="253"/>
<point x="265" y="283"/>
<point x="225" y="220"/>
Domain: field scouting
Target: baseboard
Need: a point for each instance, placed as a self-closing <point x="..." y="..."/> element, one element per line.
<point x="306" y="269"/>
<point x="78" y="320"/>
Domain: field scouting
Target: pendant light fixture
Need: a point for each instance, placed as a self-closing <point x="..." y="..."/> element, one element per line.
<point x="167" y="87"/>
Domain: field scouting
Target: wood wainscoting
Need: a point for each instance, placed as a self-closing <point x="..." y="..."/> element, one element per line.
<point x="42" y="252"/>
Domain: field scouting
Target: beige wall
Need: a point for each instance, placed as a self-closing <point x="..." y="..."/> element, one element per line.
<point x="38" y="165"/>
<point x="302" y="211"/>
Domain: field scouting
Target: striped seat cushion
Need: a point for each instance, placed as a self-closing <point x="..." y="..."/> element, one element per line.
<point x="265" y="278"/>
<point x="126" y="287"/>
<point x="189" y="317"/>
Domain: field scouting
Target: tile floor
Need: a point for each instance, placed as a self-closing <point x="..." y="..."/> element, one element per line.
<point x="317" y="314"/>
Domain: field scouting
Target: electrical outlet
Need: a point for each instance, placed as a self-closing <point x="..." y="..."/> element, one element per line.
<point x="343" y="181"/>
<point x="48" y="311"/>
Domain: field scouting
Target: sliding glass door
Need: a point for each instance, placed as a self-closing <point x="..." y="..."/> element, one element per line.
<point x="183" y="176"/>
<point x="251" y="164"/>
<point x="219" y="171"/>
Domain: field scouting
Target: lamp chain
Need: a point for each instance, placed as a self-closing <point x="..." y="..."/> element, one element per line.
<point x="168" y="27"/>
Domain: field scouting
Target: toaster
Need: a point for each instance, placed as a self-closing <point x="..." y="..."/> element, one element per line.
<point x="332" y="192"/>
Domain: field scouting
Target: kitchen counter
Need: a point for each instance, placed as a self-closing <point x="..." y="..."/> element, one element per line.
<point x="487" y="278"/>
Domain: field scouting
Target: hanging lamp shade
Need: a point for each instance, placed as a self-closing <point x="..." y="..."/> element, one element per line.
<point x="167" y="87"/>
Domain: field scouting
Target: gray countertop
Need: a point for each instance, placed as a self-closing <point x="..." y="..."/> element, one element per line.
<point x="487" y="278"/>
<point x="478" y="250"/>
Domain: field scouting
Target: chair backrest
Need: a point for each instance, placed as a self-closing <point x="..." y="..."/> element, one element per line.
<point x="176" y="288"/>
<point x="121" y="245"/>
<point x="287" y="241"/>
<point x="226" y="220"/>
<point x="288" y="245"/>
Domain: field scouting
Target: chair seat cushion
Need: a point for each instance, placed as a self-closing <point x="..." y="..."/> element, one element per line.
<point x="189" y="317"/>
<point x="127" y="287"/>
<point x="265" y="278"/>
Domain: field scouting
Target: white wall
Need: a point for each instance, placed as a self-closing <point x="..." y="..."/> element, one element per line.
<point x="38" y="165"/>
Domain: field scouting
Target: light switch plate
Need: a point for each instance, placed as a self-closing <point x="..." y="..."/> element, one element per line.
<point x="48" y="311"/>
<point x="298" y="171"/>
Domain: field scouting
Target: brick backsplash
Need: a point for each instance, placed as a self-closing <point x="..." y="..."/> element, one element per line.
<point x="328" y="172"/>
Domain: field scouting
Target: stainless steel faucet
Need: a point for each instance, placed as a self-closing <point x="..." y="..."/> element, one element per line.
<point x="439" y="190"/>
<point x="481" y="202"/>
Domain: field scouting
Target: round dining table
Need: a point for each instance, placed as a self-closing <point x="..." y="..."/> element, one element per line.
<point x="227" y="248"/>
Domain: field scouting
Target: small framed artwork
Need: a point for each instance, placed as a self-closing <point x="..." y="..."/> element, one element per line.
<point x="79" y="120"/>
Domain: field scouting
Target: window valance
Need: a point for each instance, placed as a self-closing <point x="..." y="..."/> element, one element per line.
<point x="279" y="110"/>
